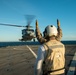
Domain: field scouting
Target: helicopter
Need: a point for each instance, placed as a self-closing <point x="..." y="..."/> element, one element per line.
<point x="27" y="33"/>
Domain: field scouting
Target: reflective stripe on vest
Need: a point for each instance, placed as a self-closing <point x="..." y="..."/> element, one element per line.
<point x="55" y="46"/>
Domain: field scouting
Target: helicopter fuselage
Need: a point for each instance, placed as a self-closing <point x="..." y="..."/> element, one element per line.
<point x="27" y="34"/>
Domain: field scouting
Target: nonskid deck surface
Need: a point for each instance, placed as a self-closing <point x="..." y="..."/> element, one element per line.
<point x="72" y="68"/>
<point x="18" y="60"/>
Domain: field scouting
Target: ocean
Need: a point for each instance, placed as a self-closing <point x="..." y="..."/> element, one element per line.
<point x="4" y="44"/>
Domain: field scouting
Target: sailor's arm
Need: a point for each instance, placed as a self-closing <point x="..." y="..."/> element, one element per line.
<point x="39" y="35"/>
<point x="59" y="36"/>
<point x="39" y="61"/>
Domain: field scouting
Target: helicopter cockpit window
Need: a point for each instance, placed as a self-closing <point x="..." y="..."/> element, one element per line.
<point x="23" y="31"/>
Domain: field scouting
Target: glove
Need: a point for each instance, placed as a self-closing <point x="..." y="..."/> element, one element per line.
<point x="36" y="24"/>
<point x="58" y="23"/>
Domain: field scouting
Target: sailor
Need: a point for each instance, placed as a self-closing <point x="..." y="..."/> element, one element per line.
<point x="42" y="39"/>
<point x="51" y="55"/>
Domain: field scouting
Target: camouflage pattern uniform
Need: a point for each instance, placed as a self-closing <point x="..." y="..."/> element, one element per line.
<point x="43" y="39"/>
<point x="50" y="59"/>
<point x="44" y="59"/>
<point x="54" y="61"/>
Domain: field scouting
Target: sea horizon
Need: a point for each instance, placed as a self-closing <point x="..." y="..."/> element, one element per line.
<point x="17" y="43"/>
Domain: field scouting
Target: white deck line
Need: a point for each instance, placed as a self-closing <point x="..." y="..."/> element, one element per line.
<point x="72" y="67"/>
<point x="32" y="51"/>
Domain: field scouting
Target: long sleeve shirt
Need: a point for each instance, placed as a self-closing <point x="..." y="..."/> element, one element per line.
<point x="39" y="61"/>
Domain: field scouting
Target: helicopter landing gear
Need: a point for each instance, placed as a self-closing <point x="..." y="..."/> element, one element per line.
<point x="34" y="40"/>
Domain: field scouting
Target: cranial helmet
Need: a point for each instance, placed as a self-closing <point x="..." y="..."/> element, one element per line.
<point x="50" y="30"/>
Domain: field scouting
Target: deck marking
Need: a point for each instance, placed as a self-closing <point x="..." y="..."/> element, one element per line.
<point x="32" y="51"/>
<point x="72" y="67"/>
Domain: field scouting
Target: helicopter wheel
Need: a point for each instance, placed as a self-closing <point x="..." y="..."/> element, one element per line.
<point x="34" y="39"/>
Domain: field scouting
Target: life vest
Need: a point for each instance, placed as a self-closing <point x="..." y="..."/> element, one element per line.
<point x="54" y="61"/>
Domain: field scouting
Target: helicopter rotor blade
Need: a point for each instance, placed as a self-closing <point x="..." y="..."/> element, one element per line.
<point x="29" y="19"/>
<point x="11" y="25"/>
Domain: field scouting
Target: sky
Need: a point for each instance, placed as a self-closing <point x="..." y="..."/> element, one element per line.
<point x="46" y="12"/>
